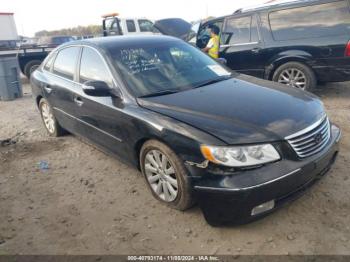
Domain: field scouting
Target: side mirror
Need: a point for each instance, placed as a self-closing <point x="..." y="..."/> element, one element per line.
<point x="97" y="88"/>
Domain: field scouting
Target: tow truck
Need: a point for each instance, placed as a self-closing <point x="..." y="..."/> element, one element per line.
<point x="112" y="25"/>
<point x="30" y="58"/>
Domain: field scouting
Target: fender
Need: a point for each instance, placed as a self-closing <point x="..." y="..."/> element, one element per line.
<point x="284" y="57"/>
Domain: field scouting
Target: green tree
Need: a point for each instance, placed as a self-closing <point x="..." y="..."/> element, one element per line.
<point x="74" y="31"/>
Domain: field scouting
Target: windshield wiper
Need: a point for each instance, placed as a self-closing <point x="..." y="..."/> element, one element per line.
<point x="213" y="81"/>
<point x="160" y="93"/>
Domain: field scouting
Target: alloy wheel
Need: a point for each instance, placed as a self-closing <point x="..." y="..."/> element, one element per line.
<point x="293" y="77"/>
<point x="48" y="118"/>
<point x="161" y="175"/>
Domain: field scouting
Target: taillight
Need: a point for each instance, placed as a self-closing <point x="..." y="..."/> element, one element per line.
<point x="347" y="49"/>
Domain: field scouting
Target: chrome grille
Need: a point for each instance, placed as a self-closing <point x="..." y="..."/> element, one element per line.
<point x="312" y="139"/>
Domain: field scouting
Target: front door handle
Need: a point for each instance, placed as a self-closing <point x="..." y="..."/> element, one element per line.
<point x="78" y="101"/>
<point x="48" y="88"/>
<point x="256" y="50"/>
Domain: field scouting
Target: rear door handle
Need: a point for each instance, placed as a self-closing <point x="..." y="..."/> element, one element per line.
<point x="78" y="101"/>
<point x="256" y="50"/>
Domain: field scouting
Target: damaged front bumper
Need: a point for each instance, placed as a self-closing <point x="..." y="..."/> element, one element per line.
<point x="247" y="195"/>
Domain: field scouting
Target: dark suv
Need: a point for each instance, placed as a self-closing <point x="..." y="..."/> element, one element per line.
<point x="298" y="43"/>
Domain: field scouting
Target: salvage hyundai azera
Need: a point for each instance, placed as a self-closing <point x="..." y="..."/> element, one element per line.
<point x="238" y="146"/>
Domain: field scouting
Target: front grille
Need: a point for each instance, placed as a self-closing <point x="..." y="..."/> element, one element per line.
<point x="312" y="139"/>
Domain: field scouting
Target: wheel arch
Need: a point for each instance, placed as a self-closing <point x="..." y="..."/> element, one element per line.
<point x="139" y="143"/>
<point x="38" y="99"/>
<point x="285" y="57"/>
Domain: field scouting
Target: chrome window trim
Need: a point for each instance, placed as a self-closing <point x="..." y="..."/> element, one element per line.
<point x="52" y="54"/>
<point x="61" y="77"/>
<point x="78" y="83"/>
<point x="88" y="124"/>
<point x="248" y="188"/>
<point x="240" y="44"/>
<point x="252" y="16"/>
<point x="305" y="130"/>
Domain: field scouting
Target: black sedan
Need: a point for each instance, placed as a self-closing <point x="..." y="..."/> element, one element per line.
<point x="238" y="146"/>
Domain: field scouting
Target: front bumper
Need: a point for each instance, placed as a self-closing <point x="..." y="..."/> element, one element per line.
<point x="230" y="199"/>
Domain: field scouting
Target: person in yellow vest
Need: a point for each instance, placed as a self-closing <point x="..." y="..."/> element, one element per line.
<point x="212" y="47"/>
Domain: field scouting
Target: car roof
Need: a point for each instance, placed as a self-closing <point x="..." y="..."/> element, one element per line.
<point x="270" y="6"/>
<point x="122" y="41"/>
<point x="281" y="4"/>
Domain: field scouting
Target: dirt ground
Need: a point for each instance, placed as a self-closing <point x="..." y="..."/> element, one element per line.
<point x="86" y="202"/>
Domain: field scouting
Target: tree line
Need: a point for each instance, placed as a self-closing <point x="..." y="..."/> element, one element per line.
<point x="74" y="31"/>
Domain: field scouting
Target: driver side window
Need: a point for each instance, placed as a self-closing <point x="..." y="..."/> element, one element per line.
<point x="92" y="67"/>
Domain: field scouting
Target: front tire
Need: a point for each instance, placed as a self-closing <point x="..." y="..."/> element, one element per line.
<point x="166" y="175"/>
<point x="296" y="75"/>
<point x="50" y="122"/>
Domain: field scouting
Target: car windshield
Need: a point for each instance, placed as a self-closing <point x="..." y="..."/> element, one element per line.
<point x="167" y="67"/>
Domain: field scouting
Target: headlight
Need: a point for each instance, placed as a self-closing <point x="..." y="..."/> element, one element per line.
<point x="240" y="156"/>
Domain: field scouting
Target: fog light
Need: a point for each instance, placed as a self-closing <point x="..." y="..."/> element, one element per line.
<point x="263" y="207"/>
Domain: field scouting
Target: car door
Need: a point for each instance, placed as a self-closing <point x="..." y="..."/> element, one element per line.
<point x="203" y="35"/>
<point x="102" y="117"/>
<point x="241" y="45"/>
<point x="61" y="86"/>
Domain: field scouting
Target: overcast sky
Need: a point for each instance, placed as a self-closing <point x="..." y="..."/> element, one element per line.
<point x="36" y="15"/>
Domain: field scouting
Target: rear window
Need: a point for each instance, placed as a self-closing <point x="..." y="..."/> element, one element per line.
<point x="65" y="62"/>
<point x="311" y="21"/>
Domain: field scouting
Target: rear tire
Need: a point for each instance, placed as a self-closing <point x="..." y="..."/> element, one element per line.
<point x="162" y="170"/>
<point x="31" y="67"/>
<point x="50" y="122"/>
<point x="297" y="75"/>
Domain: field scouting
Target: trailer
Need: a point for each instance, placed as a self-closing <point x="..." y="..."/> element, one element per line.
<point x="29" y="59"/>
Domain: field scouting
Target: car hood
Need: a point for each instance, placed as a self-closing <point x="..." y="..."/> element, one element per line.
<point x="241" y="110"/>
<point x="176" y="27"/>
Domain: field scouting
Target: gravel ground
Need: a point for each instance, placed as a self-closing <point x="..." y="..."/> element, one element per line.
<point x="87" y="202"/>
